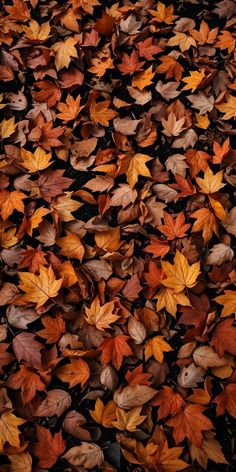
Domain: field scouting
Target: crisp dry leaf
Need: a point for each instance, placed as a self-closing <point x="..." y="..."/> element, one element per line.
<point x="9" y="430"/>
<point x="156" y="347"/>
<point x="48" y="448"/>
<point x="190" y="422"/>
<point x="114" y="349"/>
<point x="87" y="455"/>
<point x="104" y="414"/>
<point x="228" y="300"/>
<point x="101" y="316"/>
<point x="128" y="421"/>
<point x="39" y="288"/>
<point x="64" y="51"/>
<point x="180" y="274"/>
<point x="74" y="373"/>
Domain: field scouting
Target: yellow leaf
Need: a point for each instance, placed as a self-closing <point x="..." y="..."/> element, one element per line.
<point x="228" y="300"/>
<point x="8" y="237"/>
<point x="219" y="210"/>
<point x="143" y="79"/>
<point x="100" y="112"/>
<point x="182" y="40"/>
<point x="163" y="14"/>
<point x="21" y="462"/>
<point x="9" y="431"/>
<point x="226" y="41"/>
<point x="36" y="219"/>
<point x="194" y="80"/>
<point x="104" y="414"/>
<point x="7" y="128"/>
<point x="202" y="121"/>
<point x="71" y="246"/>
<point x="155" y="347"/>
<point x="180" y="274"/>
<point x="211" y="183"/>
<point x="228" y="108"/>
<point x="10" y="201"/>
<point x="108" y="240"/>
<point x="36" y="32"/>
<point x="128" y="420"/>
<point x="36" y="161"/>
<point x="133" y="166"/>
<point x="70" y="109"/>
<point x="39" y="288"/>
<point x="167" y="298"/>
<point x="206" y="222"/>
<point x="63" y="205"/>
<point x="101" y="316"/>
<point x="64" y="51"/>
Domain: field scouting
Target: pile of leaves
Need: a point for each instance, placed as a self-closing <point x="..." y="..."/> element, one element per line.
<point x="117" y="235"/>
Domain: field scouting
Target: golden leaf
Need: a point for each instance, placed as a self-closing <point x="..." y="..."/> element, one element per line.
<point x="39" y="288"/>
<point x="180" y="274"/>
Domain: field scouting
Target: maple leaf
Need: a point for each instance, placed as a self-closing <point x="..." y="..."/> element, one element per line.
<point x="7" y="128"/>
<point x="167" y="459"/>
<point x="36" y="32"/>
<point x="228" y="108"/>
<point x="52" y="183"/>
<point x="39" y="288"/>
<point x="28" y="381"/>
<point x="36" y="161"/>
<point x="133" y="166"/>
<point x="101" y="316"/>
<point x="71" y="246"/>
<point x="143" y="79"/>
<point x="171" y="67"/>
<point x="174" y="228"/>
<point x="128" y="421"/>
<point x="49" y="93"/>
<point x="9" y="431"/>
<point x="190" y="422"/>
<point x="184" y="185"/>
<point x="74" y="373"/>
<point x="100" y="112"/>
<point x="114" y="349"/>
<point x="172" y="126"/>
<point x="130" y="64"/>
<point x="182" y="40"/>
<point x="32" y="258"/>
<point x="64" y="51"/>
<point x="157" y="247"/>
<point x="211" y="183"/>
<point x="206" y="222"/>
<point x="210" y="450"/>
<point x="64" y="205"/>
<point x="53" y="328"/>
<point x="169" y="299"/>
<point x="137" y="377"/>
<point x="163" y="14"/>
<point x="169" y="402"/>
<point x="18" y="11"/>
<point x="155" y="347"/>
<point x="34" y="222"/>
<point x="104" y="414"/>
<point x="205" y="34"/>
<point x="226" y="41"/>
<point x="180" y="274"/>
<point x="226" y="400"/>
<point x="147" y="49"/>
<point x="48" y="448"/>
<point x="223" y="338"/>
<point x="220" y="152"/>
<point x="70" y="109"/>
<point x="197" y="161"/>
<point x="194" y="80"/>
<point x="228" y="300"/>
<point x="10" y="201"/>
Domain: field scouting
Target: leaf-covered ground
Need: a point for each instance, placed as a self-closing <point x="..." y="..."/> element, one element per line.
<point x="117" y="235"/>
